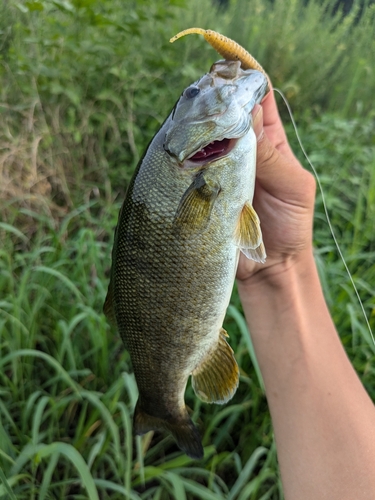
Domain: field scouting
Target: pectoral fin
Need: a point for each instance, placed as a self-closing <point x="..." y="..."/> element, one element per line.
<point x="216" y="379"/>
<point x="194" y="210"/>
<point x="255" y="254"/>
<point x="248" y="235"/>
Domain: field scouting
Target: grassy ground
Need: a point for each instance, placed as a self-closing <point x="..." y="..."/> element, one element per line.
<point x="84" y="86"/>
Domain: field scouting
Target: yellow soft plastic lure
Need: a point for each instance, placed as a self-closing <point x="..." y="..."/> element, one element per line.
<point x="229" y="49"/>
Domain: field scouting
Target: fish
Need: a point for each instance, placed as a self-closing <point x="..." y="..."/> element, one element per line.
<point x="186" y="216"/>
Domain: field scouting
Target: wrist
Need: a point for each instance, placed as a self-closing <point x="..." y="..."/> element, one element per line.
<point x="280" y="275"/>
<point x="285" y="310"/>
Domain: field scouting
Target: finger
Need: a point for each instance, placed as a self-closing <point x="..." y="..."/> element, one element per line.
<point x="279" y="172"/>
<point x="273" y="125"/>
<point x="258" y="127"/>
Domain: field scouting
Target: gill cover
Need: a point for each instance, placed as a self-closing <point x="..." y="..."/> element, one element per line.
<point x="217" y="106"/>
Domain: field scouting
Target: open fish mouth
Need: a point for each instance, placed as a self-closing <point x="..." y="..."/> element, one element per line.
<point x="212" y="151"/>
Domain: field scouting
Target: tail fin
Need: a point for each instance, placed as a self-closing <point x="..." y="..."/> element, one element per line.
<point x="182" y="429"/>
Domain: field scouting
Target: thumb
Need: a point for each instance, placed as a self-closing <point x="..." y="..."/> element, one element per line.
<point x="278" y="170"/>
<point x="257" y="113"/>
<point x="270" y="162"/>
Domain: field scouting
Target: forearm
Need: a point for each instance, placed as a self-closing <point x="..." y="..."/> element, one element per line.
<point x="323" y="419"/>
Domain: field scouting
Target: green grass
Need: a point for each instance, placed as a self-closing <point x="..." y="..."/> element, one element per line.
<point x="67" y="396"/>
<point x="84" y="86"/>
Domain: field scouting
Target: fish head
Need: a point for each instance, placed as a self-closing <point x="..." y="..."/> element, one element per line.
<point x="213" y="113"/>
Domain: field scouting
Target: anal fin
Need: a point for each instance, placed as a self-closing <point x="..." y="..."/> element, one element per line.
<point x="248" y="235"/>
<point x="216" y="379"/>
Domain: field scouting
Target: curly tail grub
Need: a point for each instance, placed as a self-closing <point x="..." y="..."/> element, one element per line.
<point x="229" y="49"/>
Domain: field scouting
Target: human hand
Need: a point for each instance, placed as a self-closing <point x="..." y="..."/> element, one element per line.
<point x="313" y="392"/>
<point x="284" y="197"/>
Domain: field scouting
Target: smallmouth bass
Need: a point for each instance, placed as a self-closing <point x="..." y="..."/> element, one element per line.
<point x="186" y="216"/>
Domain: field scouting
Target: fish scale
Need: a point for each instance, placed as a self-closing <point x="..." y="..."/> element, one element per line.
<point x="176" y="251"/>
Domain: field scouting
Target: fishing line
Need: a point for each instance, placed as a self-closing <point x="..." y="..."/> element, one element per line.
<point x="326" y="211"/>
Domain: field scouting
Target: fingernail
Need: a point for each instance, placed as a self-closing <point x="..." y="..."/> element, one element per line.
<point x="257" y="113"/>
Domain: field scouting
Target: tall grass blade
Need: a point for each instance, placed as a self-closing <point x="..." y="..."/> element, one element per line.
<point x="128" y="444"/>
<point x="177" y="484"/>
<point x="46" y="357"/>
<point x="64" y="279"/>
<point x="200" y="491"/>
<point x="37" y="419"/>
<point x="242" y="325"/>
<point x="40" y="452"/>
<point x="107" y="418"/>
<point x="47" y="476"/>
<point x="111" y="486"/>
<point x="13" y="230"/>
<point x="6" y="486"/>
<point x="246" y="472"/>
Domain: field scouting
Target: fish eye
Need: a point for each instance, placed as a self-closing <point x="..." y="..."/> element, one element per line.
<point x="191" y="92"/>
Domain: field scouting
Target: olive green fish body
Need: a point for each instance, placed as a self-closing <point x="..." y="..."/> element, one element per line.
<point x="176" y="249"/>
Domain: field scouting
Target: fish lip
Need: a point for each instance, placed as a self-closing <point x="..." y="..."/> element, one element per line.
<point x="189" y="163"/>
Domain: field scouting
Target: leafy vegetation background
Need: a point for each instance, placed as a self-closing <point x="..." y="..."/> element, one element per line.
<point x="84" y="85"/>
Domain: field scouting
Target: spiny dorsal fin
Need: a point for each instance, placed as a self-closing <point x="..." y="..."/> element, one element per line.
<point x="216" y="379"/>
<point x="248" y="235"/>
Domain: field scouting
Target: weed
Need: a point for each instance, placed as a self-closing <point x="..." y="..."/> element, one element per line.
<point x="84" y="87"/>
